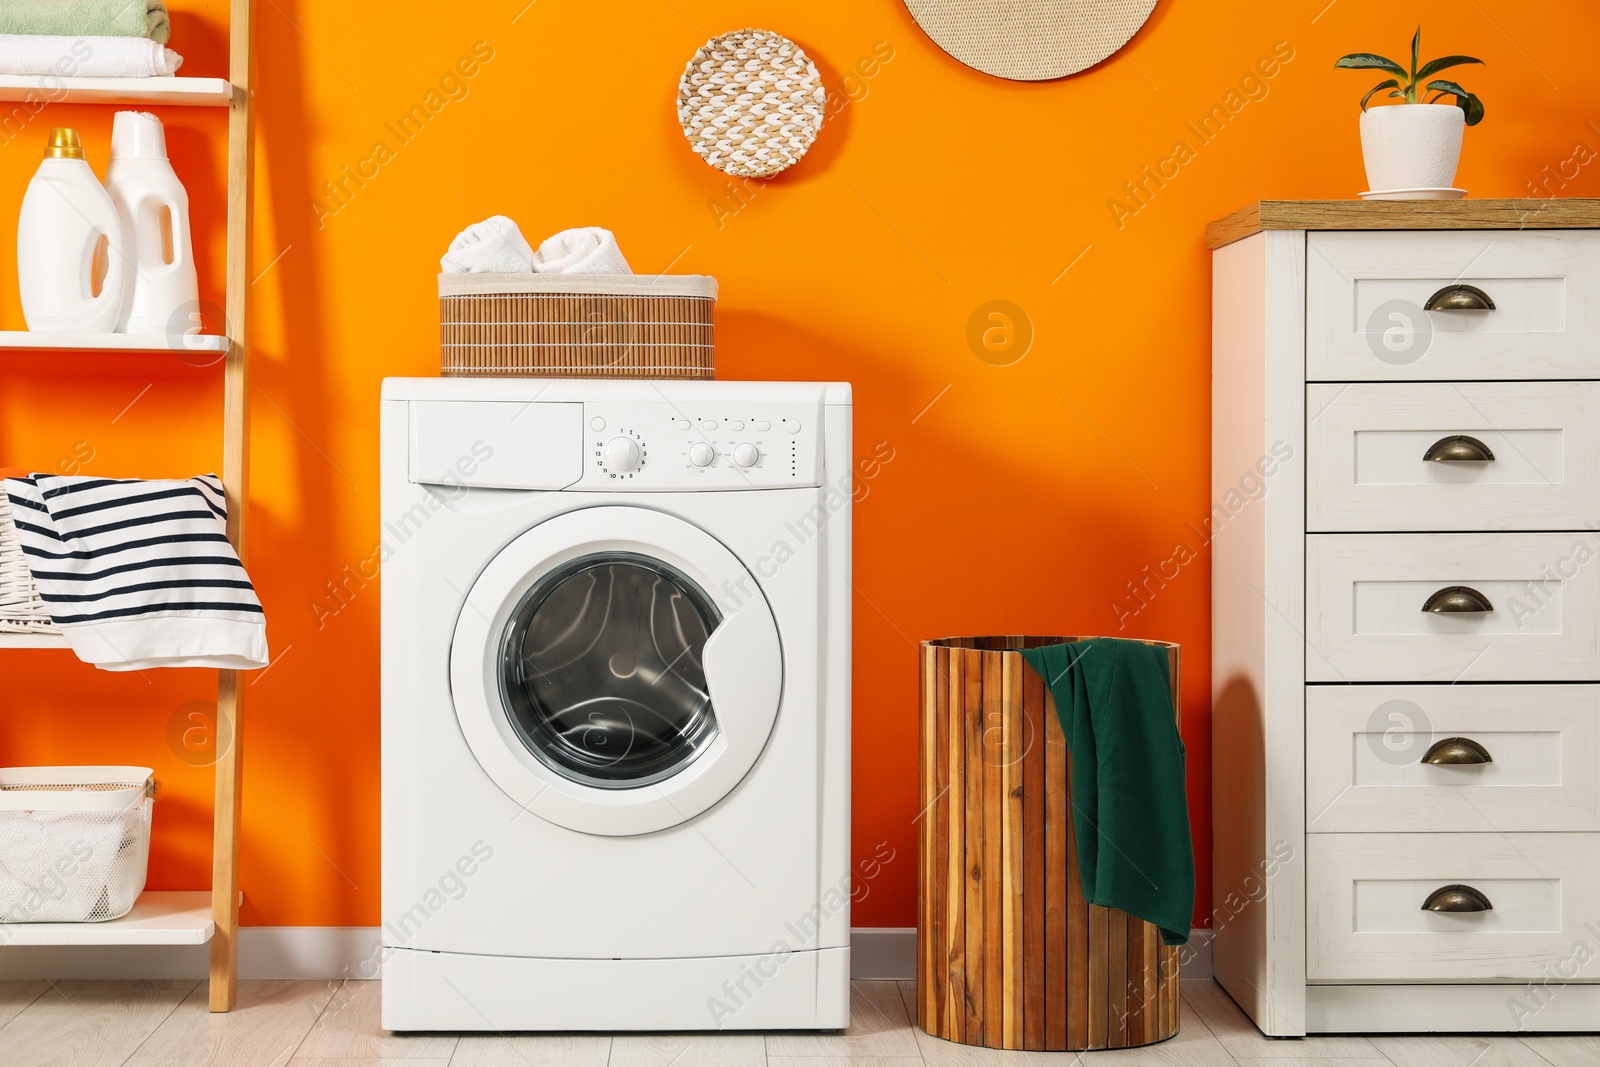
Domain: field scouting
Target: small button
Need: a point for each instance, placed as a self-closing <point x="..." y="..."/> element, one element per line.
<point x="791" y="425"/>
<point x="734" y="424"/>
<point x="763" y="425"/>
<point x="597" y="423"/>
<point x="708" y="424"/>
<point x="681" y="424"/>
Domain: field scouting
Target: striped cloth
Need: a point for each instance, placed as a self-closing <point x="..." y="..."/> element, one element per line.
<point x="139" y="573"/>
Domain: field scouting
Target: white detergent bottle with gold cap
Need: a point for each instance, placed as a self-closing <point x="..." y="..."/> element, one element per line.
<point x="163" y="289"/>
<point x="70" y="264"/>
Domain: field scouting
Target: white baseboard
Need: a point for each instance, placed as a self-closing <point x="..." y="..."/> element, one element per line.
<point x="332" y="952"/>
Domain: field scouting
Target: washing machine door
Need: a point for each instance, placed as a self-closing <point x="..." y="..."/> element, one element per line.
<point x="616" y="670"/>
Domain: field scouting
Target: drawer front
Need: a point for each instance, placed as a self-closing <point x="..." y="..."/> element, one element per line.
<point x="1378" y="758"/>
<point x="1366" y="595"/>
<point x="1366" y="921"/>
<point x="1366" y="446"/>
<point x="1367" y="294"/>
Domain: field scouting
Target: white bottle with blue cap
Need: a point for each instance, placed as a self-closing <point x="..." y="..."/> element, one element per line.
<point x="164" y="291"/>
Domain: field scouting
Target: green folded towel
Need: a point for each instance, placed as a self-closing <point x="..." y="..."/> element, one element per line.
<point x="87" y="18"/>
<point x="1129" y="810"/>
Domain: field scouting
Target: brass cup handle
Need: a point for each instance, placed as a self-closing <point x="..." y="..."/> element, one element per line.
<point x="1457" y="752"/>
<point x="1458" y="449"/>
<point x="1457" y="599"/>
<point x="1459" y="298"/>
<point x="1457" y="898"/>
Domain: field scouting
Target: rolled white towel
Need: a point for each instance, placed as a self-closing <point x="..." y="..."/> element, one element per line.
<point x="493" y="246"/>
<point x="585" y="250"/>
<point x="85" y="57"/>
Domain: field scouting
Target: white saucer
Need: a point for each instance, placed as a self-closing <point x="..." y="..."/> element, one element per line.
<point x="1413" y="194"/>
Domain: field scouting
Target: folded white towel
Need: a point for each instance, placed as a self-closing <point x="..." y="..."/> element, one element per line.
<point x="139" y="573"/>
<point x="86" y="57"/>
<point x="493" y="246"/>
<point x="585" y="250"/>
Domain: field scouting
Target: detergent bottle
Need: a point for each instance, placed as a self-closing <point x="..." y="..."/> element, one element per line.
<point x="70" y="265"/>
<point x="163" y="289"/>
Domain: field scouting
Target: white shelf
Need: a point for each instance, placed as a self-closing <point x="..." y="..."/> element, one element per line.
<point x="113" y="342"/>
<point x="156" y="919"/>
<point x="32" y="641"/>
<point x="203" y="92"/>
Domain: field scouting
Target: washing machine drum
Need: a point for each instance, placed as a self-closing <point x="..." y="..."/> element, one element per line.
<point x="599" y="680"/>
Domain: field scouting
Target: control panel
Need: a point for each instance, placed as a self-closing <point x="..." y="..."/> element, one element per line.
<point x="668" y="447"/>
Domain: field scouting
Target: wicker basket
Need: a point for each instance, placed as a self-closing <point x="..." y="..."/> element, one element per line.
<point x="577" y="325"/>
<point x="21" y="610"/>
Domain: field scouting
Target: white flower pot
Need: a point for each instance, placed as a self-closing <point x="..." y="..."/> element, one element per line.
<point x="1412" y="146"/>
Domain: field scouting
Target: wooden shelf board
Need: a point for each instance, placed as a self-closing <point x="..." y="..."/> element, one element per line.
<point x="156" y="919"/>
<point x="114" y="342"/>
<point x="1521" y="213"/>
<point x="32" y="641"/>
<point x="202" y="92"/>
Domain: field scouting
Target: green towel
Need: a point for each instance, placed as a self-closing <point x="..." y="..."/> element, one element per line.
<point x="87" y="18"/>
<point x="1130" y="813"/>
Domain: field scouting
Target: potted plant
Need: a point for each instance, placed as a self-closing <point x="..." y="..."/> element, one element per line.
<point x="1411" y="149"/>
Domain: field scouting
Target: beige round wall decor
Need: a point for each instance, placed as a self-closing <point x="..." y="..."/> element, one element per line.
<point x="1030" y="40"/>
<point x="751" y="103"/>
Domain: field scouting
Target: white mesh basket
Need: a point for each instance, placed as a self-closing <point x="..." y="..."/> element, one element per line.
<point x="74" y="842"/>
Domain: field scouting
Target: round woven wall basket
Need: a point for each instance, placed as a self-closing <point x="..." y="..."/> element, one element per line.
<point x="751" y="103"/>
<point x="1030" y="40"/>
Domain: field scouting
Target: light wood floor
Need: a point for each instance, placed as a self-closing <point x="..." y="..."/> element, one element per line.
<point x="335" y="1024"/>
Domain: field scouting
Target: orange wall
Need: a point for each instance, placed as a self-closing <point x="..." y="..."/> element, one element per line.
<point x="1034" y="492"/>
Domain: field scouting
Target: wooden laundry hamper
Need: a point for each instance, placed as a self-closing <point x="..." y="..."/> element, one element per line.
<point x="577" y="325"/>
<point x="1009" y="955"/>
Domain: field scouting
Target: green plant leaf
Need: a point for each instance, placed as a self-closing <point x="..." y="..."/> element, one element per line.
<point x="1416" y="46"/>
<point x="1470" y="105"/>
<point x="1434" y="66"/>
<point x="1390" y="84"/>
<point x="1368" y="61"/>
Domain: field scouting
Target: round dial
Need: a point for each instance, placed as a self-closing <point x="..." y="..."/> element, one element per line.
<point x="702" y="454"/>
<point x="622" y="454"/>
<point x="746" y="455"/>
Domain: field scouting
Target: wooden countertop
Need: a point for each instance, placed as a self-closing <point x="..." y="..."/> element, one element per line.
<point x="1522" y="213"/>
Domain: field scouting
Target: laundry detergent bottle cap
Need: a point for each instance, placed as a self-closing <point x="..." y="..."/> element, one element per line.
<point x="71" y="271"/>
<point x="163" y="289"/>
<point x="64" y="144"/>
<point x="137" y="135"/>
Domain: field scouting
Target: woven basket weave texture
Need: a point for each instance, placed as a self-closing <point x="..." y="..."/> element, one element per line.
<point x="21" y="610"/>
<point x="1030" y="40"/>
<point x="751" y="103"/>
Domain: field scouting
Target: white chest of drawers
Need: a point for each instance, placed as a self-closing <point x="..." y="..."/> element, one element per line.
<point x="1406" y="615"/>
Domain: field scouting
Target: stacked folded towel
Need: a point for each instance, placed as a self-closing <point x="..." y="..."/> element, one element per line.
<point x="139" y="573"/>
<point x="86" y="38"/>
<point x="87" y="18"/>
<point x="496" y="246"/>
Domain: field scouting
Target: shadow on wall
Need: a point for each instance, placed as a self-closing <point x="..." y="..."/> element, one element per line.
<point x="971" y="544"/>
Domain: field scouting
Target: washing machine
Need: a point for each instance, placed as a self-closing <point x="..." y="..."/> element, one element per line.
<point x="616" y="705"/>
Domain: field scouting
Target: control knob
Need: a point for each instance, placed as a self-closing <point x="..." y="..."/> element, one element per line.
<point x="746" y="455"/>
<point x="702" y="454"/>
<point x="622" y="454"/>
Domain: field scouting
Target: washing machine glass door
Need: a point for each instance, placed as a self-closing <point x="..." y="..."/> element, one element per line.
<point x="599" y="680"/>
<point x="602" y="670"/>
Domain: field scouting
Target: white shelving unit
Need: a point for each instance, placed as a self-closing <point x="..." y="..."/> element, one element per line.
<point x="114" y="342"/>
<point x="179" y="918"/>
<point x="156" y="919"/>
<point x="32" y="641"/>
<point x="201" y="92"/>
